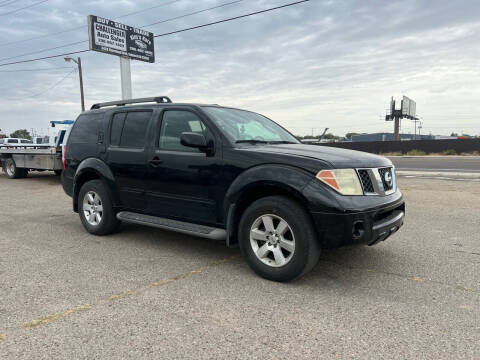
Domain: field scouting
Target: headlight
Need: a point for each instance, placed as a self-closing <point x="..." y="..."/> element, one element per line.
<point x="345" y="181"/>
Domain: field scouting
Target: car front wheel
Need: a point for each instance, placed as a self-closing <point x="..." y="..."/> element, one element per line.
<point x="277" y="239"/>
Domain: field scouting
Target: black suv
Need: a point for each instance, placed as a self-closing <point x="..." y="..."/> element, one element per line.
<point x="226" y="174"/>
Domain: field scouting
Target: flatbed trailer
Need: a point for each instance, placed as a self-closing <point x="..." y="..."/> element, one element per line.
<point x="19" y="160"/>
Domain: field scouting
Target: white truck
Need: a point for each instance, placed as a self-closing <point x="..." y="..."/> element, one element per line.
<point x="18" y="158"/>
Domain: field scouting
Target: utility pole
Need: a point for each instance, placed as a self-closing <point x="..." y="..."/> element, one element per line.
<point x="79" y="64"/>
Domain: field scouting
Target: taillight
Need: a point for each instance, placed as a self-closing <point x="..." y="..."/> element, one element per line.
<point x="64" y="156"/>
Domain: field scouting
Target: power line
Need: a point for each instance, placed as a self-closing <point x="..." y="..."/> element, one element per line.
<point x="85" y="41"/>
<point x="54" y="85"/>
<point x="83" y="26"/>
<point x="192" y="13"/>
<point x="143" y="10"/>
<point x="40" y="51"/>
<point x="232" y="18"/>
<point x="26" y="7"/>
<point x="170" y="33"/>
<point x="45" y="57"/>
<point x="38" y="69"/>
<point x="8" y="2"/>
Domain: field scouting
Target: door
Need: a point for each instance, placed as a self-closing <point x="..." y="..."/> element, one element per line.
<point x="127" y="155"/>
<point x="182" y="180"/>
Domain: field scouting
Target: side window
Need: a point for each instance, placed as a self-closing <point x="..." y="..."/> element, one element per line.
<point x="116" y="128"/>
<point x="26" y="141"/>
<point x="174" y="123"/>
<point x="12" y="141"/>
<point x="129" y="129"/>
<point x="85" y="129"/>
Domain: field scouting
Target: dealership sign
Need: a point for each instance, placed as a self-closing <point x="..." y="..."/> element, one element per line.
<point x="113" y="38"/>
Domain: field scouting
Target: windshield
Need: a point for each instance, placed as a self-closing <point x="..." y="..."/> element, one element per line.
<point x="245" y="126"/>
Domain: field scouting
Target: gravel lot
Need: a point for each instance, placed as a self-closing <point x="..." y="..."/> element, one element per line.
<point x="147" y="293"/>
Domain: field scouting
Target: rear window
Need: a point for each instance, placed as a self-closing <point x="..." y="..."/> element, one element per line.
<point x="129" y="129"/>
<point x="85" y="129"/>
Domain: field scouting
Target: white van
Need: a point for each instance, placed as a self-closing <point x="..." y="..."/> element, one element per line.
<point x="14" y="142"/>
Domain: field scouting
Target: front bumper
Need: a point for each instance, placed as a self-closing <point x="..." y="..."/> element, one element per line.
<point x="352" y="228"/>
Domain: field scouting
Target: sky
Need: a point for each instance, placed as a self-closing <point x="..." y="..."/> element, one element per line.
<point x="318" y="64"/>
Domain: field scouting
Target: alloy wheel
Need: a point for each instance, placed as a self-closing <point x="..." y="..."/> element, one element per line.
<point x="272" y="240"/>
<point x="92" y="208"/>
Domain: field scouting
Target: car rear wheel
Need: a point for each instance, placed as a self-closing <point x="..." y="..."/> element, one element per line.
<point x="277" y="239"/>
<point x="12" y="171"/>
<point x="96" y="210"/>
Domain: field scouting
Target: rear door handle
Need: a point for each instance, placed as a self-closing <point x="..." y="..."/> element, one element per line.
<point x="155" y="161"/>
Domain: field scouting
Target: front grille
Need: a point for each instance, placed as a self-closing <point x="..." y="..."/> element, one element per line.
<point x="388" y="172"/>
<point x="366" y="181"/>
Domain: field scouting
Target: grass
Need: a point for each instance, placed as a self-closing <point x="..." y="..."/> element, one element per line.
<point x="416" y="152"/>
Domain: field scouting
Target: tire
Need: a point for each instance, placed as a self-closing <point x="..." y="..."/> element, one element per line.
<point x="298" y="259"/>
<point x="95" y="209"/>
<point x="57" y="172"/>
<point x="12" y="171"/>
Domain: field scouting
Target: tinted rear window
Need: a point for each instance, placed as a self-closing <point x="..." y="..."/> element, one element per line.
<point x="117" y="127"/>
<point x="130" y="129"/>
<point x="85" y="129"/>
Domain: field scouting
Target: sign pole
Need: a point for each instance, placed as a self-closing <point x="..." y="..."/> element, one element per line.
<point x="126" y="77"/>
<point x="396" y="132"/>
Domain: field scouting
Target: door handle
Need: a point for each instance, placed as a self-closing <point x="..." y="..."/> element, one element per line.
<point x="155" y="162"/>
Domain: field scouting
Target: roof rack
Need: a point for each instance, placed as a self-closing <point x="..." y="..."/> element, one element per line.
<point x="157" y="99"/>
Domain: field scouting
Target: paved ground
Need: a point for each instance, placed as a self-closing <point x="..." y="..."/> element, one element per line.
<point x="463" y="164"/>
<point x="146" y="293"/>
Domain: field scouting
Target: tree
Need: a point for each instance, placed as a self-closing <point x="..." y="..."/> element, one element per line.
<point x="350" y="134"/>
<point x="21" y="133"/>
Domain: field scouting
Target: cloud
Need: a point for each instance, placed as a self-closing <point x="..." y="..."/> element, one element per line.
<point x="321" y="64"/>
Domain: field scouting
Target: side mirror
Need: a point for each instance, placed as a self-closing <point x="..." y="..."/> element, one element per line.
<point x="194" y="140"/>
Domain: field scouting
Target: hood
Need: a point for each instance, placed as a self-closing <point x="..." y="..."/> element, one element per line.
<point x="337" y="157"/>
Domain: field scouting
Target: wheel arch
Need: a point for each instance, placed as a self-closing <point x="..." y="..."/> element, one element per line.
<point x="260" y="182"/>
<point x="92" y="169"/>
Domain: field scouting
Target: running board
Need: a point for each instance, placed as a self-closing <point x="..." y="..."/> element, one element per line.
<point x="174" y="225"/>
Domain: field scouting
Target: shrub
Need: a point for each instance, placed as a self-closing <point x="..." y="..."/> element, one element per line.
<point x="416" y="152"/>
<point x="450" y="152"/>
<point x="392" y="153"/>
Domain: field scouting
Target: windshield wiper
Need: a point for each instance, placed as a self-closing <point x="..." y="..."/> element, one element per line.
<point x="251" y="141"/>
<point x="281" y="142"/>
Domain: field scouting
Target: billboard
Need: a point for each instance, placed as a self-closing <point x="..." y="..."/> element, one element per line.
<point x="113" y="38"/>
<point x="409" y="107"/>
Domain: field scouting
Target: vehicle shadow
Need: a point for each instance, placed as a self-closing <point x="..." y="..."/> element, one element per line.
<point x="346" y="268"/>
<point x="48" y="176"/>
